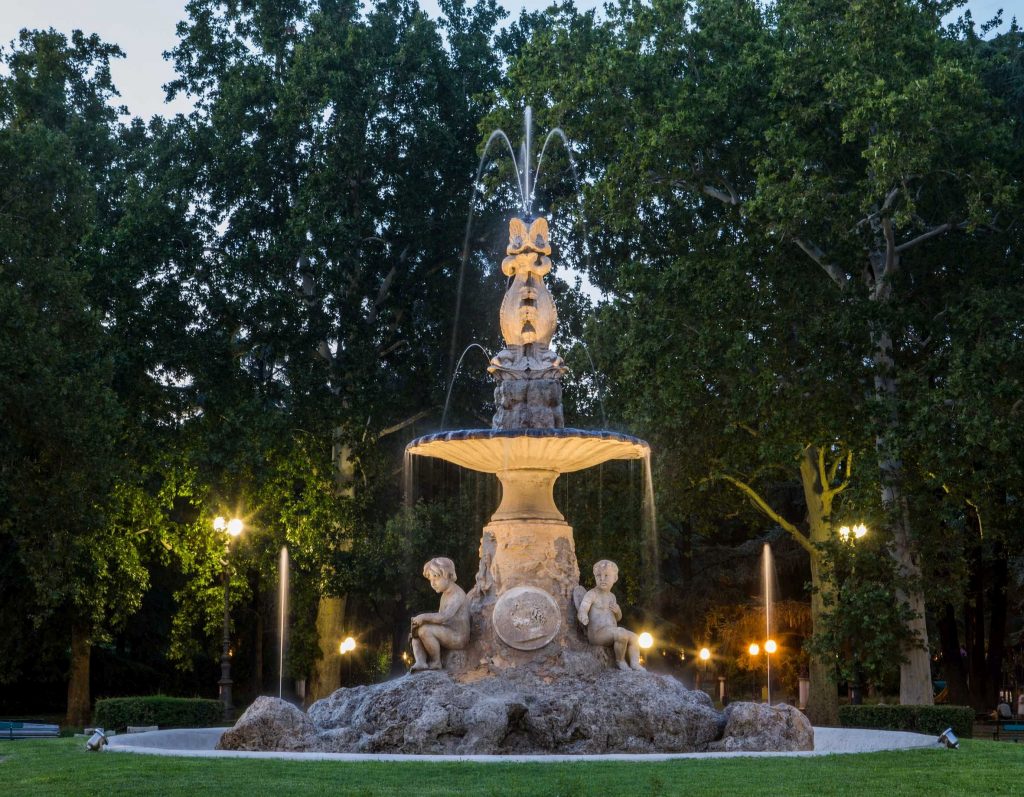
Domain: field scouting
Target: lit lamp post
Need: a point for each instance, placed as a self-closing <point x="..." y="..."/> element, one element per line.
<point x="704" y="655"/>
<point x="851" y="535"/>
<point x="232" y="528"/>
<point x="753" y="650"/>
<point x="769" y="648"/>
<point x="347" y="645"/>
<point x="645" y="640"/>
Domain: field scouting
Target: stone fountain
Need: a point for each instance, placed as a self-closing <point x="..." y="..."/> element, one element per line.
<point x="528" y="678"/>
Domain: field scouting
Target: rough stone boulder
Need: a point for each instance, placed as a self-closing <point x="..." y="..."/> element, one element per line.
<point x="520" y="712"/>
<point x="271" y="724"/>
<point x="635" y="712"/>
<point x="753" y="727"/>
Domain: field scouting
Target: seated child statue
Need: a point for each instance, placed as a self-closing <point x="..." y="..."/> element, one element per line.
<point x="600" y="613"/>
<point x="449" y="626"/>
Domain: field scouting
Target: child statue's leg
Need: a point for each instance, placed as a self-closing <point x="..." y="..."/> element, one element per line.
<point x="620" y="652"/>
<point x="431" y="646"/>
<point x="419" y="654"/>
<point x="634" y="652"/>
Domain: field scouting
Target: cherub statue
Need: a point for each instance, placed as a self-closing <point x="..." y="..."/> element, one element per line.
<point x="449" y="626"/>
<point x="600" y="613"/>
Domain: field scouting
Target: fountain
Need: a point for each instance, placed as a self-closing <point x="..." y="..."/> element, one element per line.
<point x="527" y="660"/>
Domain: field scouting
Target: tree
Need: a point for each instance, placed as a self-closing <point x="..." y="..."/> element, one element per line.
<point x="332" y="152"/>
<point x="66" y="556"/>
<point x="858" y="138"/>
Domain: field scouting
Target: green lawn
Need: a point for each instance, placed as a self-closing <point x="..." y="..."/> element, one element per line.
<point x="62" y="766"/>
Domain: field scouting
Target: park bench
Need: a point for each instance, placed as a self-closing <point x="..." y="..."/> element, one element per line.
<point x="1012" y="730"/>
<point x="28" y="730"/>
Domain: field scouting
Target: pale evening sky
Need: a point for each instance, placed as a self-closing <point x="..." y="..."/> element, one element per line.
<point x="145" y="29"/>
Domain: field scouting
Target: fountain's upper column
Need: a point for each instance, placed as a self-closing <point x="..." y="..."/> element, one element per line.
<point x="529" y="391"/>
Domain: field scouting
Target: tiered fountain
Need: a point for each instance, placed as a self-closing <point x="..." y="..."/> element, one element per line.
<point x="523" y="611"/>
<point x="528" y="679"/>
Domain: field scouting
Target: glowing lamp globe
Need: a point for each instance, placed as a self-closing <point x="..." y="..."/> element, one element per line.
<point x="645" y="640"/>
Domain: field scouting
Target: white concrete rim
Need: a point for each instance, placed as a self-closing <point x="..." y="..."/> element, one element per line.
<point x="199" y="743"/>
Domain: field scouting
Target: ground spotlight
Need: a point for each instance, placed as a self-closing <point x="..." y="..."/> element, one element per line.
<point x="97" y="740"/>
<point x="949" y="739"/>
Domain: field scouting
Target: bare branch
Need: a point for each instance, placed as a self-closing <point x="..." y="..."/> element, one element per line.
<point x="402" y="424"/>
<point x="846" y="473"/>
<point x="763" y="506"/>
<point x="838" y="276"/>
<point x="934" y="231"/>
<point x="890" y="248"/>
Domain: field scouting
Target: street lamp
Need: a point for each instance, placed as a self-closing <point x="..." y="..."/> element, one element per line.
<point x="232" y="528"/>
<point x="753" y="650"/>
<point x="769" y="648"/>
<point x="851" y="535"/>
<point x="704" y="655"/>
<point x="348" y="644"/>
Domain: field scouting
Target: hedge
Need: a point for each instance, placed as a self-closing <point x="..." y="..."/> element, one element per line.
<point x="117" y="713"/>
<point x="921" y="719"/>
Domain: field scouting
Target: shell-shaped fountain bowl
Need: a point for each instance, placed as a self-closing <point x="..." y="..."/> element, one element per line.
<point x="499" y="450"/>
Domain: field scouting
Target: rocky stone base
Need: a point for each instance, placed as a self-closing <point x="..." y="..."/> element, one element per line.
<point x="430" y="713"/>
<point x="528" y="404"/>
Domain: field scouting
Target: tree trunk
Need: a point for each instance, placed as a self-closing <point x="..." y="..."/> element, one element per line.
<point x="974" y="621"/>
<point x="330" y="626"/>
<point x="822" y="697"/>
<point x="952" y="662"/>
<point x="997" y="622"/>
<point x="915" y="669"/>
<point x="79" y="703"/>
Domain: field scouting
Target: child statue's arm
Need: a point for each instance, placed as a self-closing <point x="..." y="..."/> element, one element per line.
<point x="583" y="615"/>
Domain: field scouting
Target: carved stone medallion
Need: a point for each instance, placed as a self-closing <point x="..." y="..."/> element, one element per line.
<point x="526" y="618"/>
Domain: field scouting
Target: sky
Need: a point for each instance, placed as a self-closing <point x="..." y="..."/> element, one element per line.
<point x="145" y="29"/>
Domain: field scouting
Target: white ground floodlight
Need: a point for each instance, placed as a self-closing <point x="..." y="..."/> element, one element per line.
<point x="949" y="739"/>
<point x="96" y="741"/>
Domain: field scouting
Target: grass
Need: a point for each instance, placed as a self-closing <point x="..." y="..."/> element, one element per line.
<point x="63" y="766"/>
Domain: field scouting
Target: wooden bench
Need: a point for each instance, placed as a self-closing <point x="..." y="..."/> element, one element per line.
<point x="1011" y="730"/>
<point x="28" y="730"/>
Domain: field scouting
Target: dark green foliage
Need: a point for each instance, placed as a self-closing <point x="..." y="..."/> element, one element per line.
<point x="117" y="713"/>
<point x="920" y="719"/>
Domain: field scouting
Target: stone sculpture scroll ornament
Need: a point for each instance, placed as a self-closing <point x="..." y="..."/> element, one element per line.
<point x="599" y="612"/>
<point x="448" y="627"/>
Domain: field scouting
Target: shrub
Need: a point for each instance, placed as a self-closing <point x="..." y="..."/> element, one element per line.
<point x="167" y="712"/>
<point x="921" y="719"/>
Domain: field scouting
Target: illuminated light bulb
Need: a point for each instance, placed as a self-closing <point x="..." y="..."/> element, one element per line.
<point x="645" y="640"/>
<point x="770" y="646"/>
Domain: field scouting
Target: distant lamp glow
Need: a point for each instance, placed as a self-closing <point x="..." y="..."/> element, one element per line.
<point x="219" y="523"/>
<point x="705" y="654"/>
<point x="234" y="527"/>
<point x="347" y="645"/>
<point x="645" y="640"/>
<point x="856" y="532"/>
<point x="770" y="646"/>
<point x="754" y="649"/>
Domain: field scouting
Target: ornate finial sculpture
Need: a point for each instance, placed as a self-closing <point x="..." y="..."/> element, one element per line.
<point x="600" y="613"/>
<point x="528" y="394"/>
<point x="448" y="627"/>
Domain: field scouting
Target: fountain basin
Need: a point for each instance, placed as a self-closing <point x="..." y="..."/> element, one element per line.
<point x="556" y="450"/>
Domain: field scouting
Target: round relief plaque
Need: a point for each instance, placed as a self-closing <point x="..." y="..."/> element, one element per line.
<point x="526" y="618"/>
